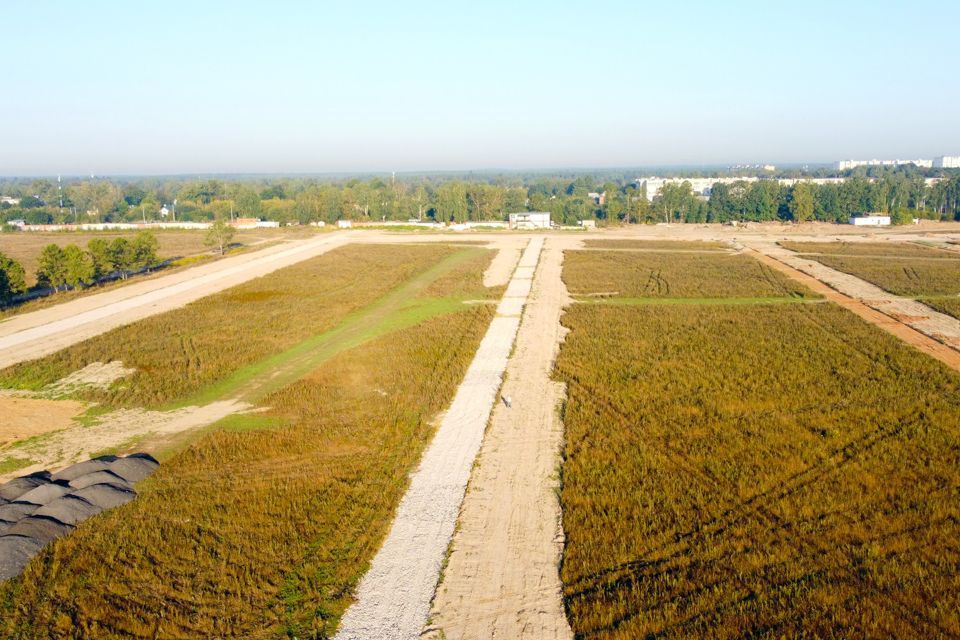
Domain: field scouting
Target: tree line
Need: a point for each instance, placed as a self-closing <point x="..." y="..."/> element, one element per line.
<point x="71" y="266"/>
<point x="899" y="191"/>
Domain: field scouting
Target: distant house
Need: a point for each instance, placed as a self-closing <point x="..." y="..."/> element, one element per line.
<point x="9" y="200"/>
<point x="870" y="220"/>
<point x="164" y="212"/>
<point x="530" y="220"/>
<point x="598" y="198"/>
<point x="344" y="224"/>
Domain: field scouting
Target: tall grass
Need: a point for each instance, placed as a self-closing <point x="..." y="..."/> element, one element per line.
<point x="865" y="249"/>
<point x="656" y="245"/>
<point x="673" y="275"/>
<point x="259" y="533"/>
<point x="756" y="471"/>
<point x="180" y="352"/>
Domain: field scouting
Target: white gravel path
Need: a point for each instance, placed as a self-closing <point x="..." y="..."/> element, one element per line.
<point x="393" y="598"/>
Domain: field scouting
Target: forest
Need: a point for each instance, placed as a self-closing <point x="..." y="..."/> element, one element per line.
<point x="609" y="198"/>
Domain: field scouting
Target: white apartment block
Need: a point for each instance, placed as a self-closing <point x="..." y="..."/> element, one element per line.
<point x="843" y="165"/>
<point x="947" y="162"/>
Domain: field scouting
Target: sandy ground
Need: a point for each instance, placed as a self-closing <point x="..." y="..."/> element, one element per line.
<point x="862" y="307"/>
<point x="78" y="442"/>
<point x="502" y="577"/>
<point x="917" y="315"/>
<point x="501" y="267"/>
<point x="393" y="597"/>
<point x="27" y="417"/>
<point x="32" y="335"/>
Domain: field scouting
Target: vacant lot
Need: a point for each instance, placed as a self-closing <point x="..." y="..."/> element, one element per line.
<point x="673" y="275"/>
<point x="178" y="354"/>
<point x="889" y="249"/>
<point x="261" y="528"/>
<point x="760" y="470"/>
<point x="930" y="275"/>
<point x="656" y="245"/>
<point x="25" y="247"/>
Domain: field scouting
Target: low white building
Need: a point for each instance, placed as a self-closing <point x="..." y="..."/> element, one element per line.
<point x="9" y="200"/>
<point x="843" y="165"/>
<point x="344" y="224"/>
<point x="530" y="220"/>
<point x="872" y="220"/>
<point x="947" y="162"/>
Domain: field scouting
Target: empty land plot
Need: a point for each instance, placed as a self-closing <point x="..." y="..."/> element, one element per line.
<point x="25" y="247"/>
<point x="930" y="275"/>
<point x="888" y="249"/>
<point x="657" y="245"/>
<point x="177" y="354"/>
<point x="756" y="471"/>
<point x="674" y="275"/>
<point x="261" y="528"/>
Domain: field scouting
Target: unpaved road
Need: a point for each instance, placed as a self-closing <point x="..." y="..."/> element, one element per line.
<point x="875" y="305"/>
<point x="502" y="577"/>
<point x="32" y="335"/>
<point x="393" y="597"/>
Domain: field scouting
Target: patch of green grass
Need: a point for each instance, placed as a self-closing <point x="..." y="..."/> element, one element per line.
<point x="9" y="465"/>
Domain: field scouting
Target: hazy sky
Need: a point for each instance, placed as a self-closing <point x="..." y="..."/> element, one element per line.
<point x="202" y="86"/>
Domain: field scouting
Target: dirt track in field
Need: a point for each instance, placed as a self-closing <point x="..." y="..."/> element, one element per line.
<point x="914" y="323"/>
<point x="393" y="597"/>
<point x="502" y="577"/>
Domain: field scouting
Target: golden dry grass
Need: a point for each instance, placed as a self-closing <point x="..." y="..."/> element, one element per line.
<point x="894" y="249"/>
<point x="756" y="471"/>
<point x="178" y="353"/>
<point x="673" y="275"/>
<point x="261" y="529"/>
<point x="656" y="245"/>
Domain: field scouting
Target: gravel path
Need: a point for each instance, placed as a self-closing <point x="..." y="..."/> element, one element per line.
<point x="920" y="326"/>
<point x="393" y="598"/>
<point x="502" y="578"/>
<point x="33" y="335"/>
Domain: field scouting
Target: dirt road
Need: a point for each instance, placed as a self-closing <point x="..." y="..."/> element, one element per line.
<point x="875" y="306"/>
<point x="32" y="335"/>
<point x="393" y="598"/>
<point x="502" y="578"/>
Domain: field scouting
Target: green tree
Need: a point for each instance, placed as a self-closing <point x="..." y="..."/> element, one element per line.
<point x="122" y="256"/>
<point x="219" y="235"/>
<point x="12" y="278"/>
<point x="78" y="266"/>
<point x="801" y="202"/>
<point x="452" y="201"/>
<point x="102" y="257"/>
<point x="248" y="202"/>
<point x="52" y="267"/>
<point x="144" y="249"/>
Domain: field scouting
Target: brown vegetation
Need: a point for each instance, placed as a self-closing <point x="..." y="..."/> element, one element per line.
<point x="261" y="529"/>
<point x="656" y="245"/>
<point x="760" y="470"/>
<point x="178" y="353"/>
<point x="673" y="275"/>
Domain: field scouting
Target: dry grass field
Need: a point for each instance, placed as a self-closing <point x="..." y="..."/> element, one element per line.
<point x="261" y="528"/>
<point x="756" y="471"/>
<point x="25" y="247"/>
<point x="656" y="245"/>
<point x="928" y="274"/>
<point x="673" y="275"/>
<point x="179" y="353"/>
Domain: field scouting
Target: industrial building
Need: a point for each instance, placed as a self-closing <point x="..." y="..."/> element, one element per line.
<point x="872" y="220"/>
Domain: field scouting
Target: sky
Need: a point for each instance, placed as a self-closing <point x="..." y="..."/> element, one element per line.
<point x="172" y="87"/>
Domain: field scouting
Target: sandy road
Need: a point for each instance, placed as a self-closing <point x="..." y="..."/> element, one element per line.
<point x="393" y="597"/>
<point x="871" y="303"/>
<point x="502" y="577"/>
<point x="42" y="332"/>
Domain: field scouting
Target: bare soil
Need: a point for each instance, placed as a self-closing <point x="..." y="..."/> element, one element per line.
<point x="501" y="580"/>
<point x="28" y="417"/>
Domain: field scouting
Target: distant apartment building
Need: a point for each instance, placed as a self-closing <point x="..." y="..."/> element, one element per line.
<point x="843" y="165"/>
<point x="700" y="186"/>
<point x="947" y="162"/>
